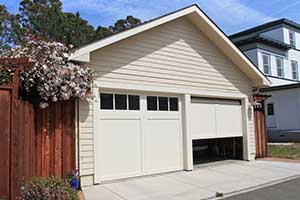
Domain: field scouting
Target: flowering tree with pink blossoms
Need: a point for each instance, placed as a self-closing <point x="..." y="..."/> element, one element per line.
<point x="52" y="77"/>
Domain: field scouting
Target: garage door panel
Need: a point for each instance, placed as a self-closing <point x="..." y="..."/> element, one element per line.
<point x="203" y="120"/>
<point x="138" y="140"/>
<point x="120" y="115"/>
<point x="215" y="118"/>
<point x="119" y="148"/>
<point x="229" y="120"/>
<point x="162" y="145"/>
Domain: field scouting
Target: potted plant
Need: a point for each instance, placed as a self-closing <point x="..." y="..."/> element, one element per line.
<point x="73" y="179"/>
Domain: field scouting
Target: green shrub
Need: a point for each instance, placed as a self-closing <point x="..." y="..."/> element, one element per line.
<point x="219" y="194"/>
<point x="52" y="188"/>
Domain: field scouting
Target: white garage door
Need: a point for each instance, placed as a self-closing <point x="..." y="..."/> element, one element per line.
<point x="215" y="118"/>
<point x="137" y="135"/>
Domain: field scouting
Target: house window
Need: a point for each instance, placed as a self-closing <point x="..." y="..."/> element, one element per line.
<point x="292" y="39"/>
<point x="270" y="109"/>
<point x="279" y="63"/>
<point x="266" y="64"/>
<point x="106" y="101"/>
<point x="294" y="70"/>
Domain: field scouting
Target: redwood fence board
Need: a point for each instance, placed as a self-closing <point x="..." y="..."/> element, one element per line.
<point x="34" y="141"/>
<point x="261" y="138"/>
<point x="5" y="113"/>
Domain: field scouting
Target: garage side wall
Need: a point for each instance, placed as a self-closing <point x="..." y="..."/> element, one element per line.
<point x="252" y="147"/>
<point x="86" y="142"/>
<point x="172" y="58"/>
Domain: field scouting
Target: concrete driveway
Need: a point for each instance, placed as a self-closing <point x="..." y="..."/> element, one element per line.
<point x="227" y="177"/>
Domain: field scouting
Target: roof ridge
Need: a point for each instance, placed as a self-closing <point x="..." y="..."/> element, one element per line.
<point x="266" y="25"/>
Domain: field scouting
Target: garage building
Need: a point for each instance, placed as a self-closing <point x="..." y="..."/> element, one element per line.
<point x="170" y="93"/>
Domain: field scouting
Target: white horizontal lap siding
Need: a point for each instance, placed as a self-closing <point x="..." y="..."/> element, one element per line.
<point x="86" y="142"/>
<point x="175" y="54"/>
<point x="252" y="136"/>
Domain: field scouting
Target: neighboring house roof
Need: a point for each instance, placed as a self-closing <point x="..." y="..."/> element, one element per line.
<point x="267" y="26"/>
<point x="202" y="22"/>
<point x="280" y="87"/>
<point x="264" y="40"/>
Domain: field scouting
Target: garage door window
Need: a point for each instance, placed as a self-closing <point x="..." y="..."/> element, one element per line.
<point x="134" y="102"/>
<point x="151" y="103"/>
<point x="119" y="102"/>
<point x="162" y="103"/>
<point x="106" y="101"/>
<point x="173" y="104"/>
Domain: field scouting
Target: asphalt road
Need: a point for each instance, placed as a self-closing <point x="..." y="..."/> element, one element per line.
<point x="289" y="190"/>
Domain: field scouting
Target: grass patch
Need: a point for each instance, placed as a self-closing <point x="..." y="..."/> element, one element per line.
<point x="284" y="151"/>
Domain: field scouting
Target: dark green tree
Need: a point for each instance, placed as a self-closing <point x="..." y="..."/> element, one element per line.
<point x="123" y="24"/>
<point x="9" y="28"/>
<point x="46" y="19"/>
<point x="42" y="17"/>
<point x="102" y="32"/>
<point x="75" y="30"/>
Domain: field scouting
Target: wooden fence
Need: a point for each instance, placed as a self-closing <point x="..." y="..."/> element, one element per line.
<point x="261" y="138"/>
<point x="34" y="141"/>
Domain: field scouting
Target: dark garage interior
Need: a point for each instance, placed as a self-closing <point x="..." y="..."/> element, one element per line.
<point x="211" y="150"/>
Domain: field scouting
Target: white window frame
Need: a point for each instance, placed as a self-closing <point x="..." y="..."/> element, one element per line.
<point x="268" y="65"/>
<point x="281" y="68"/>
<point x="292" y="38"/>
<point x="295" y="70"/>
<point x="169" y="104"/>
<point x="114" y="101"/>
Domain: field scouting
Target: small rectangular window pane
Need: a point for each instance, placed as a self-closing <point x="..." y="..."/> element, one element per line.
<point x="151" y="103"/>
<point x="270" y="109"/>
<point x="279" y="63"/>
<point x="120" y="102"/>
<point x="163" y="103"/>
<point x="106" y="101"/>
<point x="174" y="104"/>
<point x="266" y="64"/>
<point x="295" y="70"/>
<point x="292" y="39"/>
<point x="134" y="102"/>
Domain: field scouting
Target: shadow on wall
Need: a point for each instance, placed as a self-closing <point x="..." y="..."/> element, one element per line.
<point x="284" y="136"/>
<point x="135" y="58"/>
<point x="85" y="109"/>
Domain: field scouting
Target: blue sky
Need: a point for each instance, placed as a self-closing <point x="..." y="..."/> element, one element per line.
<point x="230" y="15"/>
